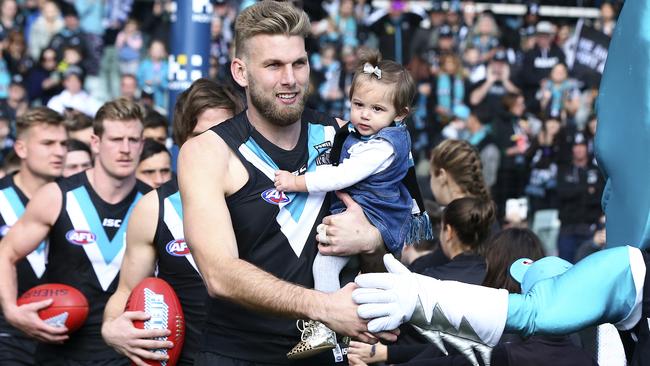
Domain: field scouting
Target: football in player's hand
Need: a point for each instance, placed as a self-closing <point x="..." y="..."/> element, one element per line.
<point x="69" y="306"/>
<point x="158" y="299"/>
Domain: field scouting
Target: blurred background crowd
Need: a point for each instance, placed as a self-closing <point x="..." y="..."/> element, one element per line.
<point x="518" y="80"/>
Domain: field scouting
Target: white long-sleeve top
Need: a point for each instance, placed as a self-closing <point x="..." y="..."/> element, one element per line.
<point x="366" y="158"/>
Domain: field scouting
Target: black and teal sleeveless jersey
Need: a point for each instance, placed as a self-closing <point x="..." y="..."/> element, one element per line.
<point x="31" y="269"/>
<point x="177" y="267"/>
<point x="274" y="231"/>
<point x="87" y="244"/>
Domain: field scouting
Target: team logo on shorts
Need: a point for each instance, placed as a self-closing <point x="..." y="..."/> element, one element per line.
<point x="274" y="197"/>
<point x="80" y="237"/>
<point x="4" y="229"/>
<point x="177" y="248"/>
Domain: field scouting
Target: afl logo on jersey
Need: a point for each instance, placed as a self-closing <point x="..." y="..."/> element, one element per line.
<point x="80" y="237"/>
<point x="177" y="248"/>
<point x="4" y="229"/>
<point x="274" y="197"/>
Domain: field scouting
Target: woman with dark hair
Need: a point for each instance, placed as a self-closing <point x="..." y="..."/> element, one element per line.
<point x="465" y="226"/>
<point x="44" y="81"/>
<point x="503" y="249"/>
<point x="15" y="55"/>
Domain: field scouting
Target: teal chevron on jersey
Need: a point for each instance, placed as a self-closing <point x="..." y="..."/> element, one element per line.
<point x="108" y="248"/>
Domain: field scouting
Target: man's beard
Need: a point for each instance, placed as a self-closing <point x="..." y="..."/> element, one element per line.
<point x="278" y="115"/>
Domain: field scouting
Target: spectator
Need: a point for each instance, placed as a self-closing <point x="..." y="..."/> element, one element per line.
<point x="219" y="47"/>
<point x="393" y="31"/>
<point x="74" y="98"/>
<point x="476" y="70"/>
<point x="424" y="41"/>
<point x="481" y="138"/>
<point x="328" y="65"/>
<point x="511" y="135"/>
<point x="449" y="89"/>
<point x="10" y="18"/>
<point x="70" y="36"/>
<point x="44" y="81"/>
<point x="580" y="187"/>
<point x="152" y="73"/>
<point x="545" y="155"/>
<point x="72" y="56"/>
<point x="15" y="105"/>
<point x="345" y="24"/>
<point x="559" y="96"/>
<point x="485" y="37"/>
<point x="486" y="95"/>
<point x="128" y="44"/>
<point x="539" y="61"/>
<point x="46" y="25"/>
<point x="129" y="87"/>
<point x="5" y="75"/>
<point x="607" y="21"/>
<point x="155" y="167"/>
<point x="155" y="127"/>
<point x="77" y="159"/>
<point x="15" y="55"/>
<point x="79" y="127"/>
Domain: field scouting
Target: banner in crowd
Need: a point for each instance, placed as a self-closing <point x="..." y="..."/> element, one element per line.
<point x="589" y="53"/>
<point x="189" y="56"/>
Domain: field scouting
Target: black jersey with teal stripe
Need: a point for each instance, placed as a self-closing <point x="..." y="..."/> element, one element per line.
<point x="177" y="267"/>
<point x="274" y="231"/>
<point x="31" y="269"/>
<point x="87" y="244"/>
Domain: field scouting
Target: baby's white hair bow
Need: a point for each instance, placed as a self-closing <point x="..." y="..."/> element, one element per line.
<point x="369" y="69"/>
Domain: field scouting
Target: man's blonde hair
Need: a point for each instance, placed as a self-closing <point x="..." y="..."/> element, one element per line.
<point x="269" y="17"/>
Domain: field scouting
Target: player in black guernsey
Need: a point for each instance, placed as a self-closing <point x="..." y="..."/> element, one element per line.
<point x="84" y="218"/>
<point x="40" y="146"/>
<point x="253" y="245"/>
<point x="155" y="240"/>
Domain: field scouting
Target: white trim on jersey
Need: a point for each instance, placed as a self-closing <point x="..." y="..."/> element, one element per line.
<point x="296" y="232"/>
<point x="175" y="225"/>
<point x="37" y="258"/>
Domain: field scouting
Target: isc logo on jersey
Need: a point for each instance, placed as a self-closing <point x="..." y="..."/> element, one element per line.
<point x="177" y="248"/>
<point x="80" y="237"/>
<point x="274" y="197"/>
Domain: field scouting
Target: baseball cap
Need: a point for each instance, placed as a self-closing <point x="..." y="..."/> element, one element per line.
<point x="500" y="56"/>
<point x="436" y="7"/>
<point x="532" y="9"/>
<point x="73" y="70"/>
<point x="445" y="31"/>
<point x="545" y="27"/>
<point x="528" y="272"/>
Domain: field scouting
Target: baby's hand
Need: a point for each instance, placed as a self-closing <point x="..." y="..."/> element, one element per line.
<point x="285" y="181"/>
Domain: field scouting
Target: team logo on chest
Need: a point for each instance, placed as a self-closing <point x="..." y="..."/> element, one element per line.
<point x="274" y="197"/>
<point x="80" y="237"/>
<point x="177" y="248"/>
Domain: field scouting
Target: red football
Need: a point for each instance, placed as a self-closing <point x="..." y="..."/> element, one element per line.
<point x="158" y="299"/>
<point x="69" y="307"/>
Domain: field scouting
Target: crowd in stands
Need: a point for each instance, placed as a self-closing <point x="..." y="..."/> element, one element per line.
<point x="501" y="82"/>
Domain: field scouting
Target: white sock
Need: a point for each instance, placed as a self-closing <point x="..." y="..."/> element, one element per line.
<point x="327" y="269"/>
